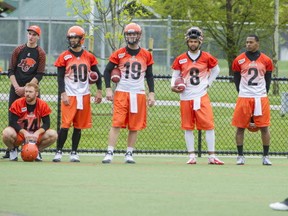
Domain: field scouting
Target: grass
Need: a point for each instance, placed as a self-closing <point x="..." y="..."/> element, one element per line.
<point x="153" y="186"/>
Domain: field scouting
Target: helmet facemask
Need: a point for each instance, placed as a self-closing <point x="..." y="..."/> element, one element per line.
<point x="76" y="32"/>
<point x="132" y="38"/>
<point x="132" y="33"/>
<point x="74" y="45"/>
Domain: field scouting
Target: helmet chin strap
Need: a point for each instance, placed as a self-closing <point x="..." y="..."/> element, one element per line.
<point x="75" y="45"/>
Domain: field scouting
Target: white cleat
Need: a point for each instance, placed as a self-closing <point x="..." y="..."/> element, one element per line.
<point x="58" y="156"/>
<point x="191" y="160"/>
<point x="129" y="158"/>
<point x="214" y="160"/>
<point x="74" y="157"/>
<point x="13" y="155"/>
<point x="108" y="157"/>
<point x="266" y="161"/>
<point x="240" y="160"/>
<point x="280" y="206"/>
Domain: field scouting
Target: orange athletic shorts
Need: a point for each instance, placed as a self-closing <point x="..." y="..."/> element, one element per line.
<point x="202" y="118"/>
<point x="122" y="117"/>
<point x="244" y="110"/>
<point x="80" y="119"/>
<point x="21" y="139"/>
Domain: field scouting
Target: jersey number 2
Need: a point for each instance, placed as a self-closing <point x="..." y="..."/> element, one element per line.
<point x="254" y="73"/>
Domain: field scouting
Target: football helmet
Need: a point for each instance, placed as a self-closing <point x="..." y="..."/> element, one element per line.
<point x="132" y="28"/>
<point x="35" y="29"/>
<point x="252" y="127"/>
<point x="29" y="151"/>
<point x="194" y="33"/>
<point x="76" y="31"/>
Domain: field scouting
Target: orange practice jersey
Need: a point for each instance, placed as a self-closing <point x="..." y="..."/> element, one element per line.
<point x="76" y="73"/>
<point x="30" y="121"/>
<point x="195" y="73"/>
<point x="132" y="69"/>
<point x="252" y="82"/>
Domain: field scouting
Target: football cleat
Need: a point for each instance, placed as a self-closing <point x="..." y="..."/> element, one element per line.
<point x="13" y="155"/>
<point x="240" y="160"/>
<point x="191" y="160"/>
<point x="129" y="158"/>
<point x="266" y="161"/>
<point x="108" y="157"/>
<point x="6" y="155"/>
<point x="58" y="156"/>
<point x="280" y="206"/>
<point x="38" y="158"/>
<point x="74" y="157"/>
<point x="214" y="160"/>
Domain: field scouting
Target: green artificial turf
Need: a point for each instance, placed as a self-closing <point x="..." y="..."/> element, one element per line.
<point x="155" y="185"/>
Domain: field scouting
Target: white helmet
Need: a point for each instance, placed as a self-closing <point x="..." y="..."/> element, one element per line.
<point x="194" y="33"/>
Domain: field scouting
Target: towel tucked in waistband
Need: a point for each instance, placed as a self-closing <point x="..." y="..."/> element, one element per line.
<point x="258" y="107"/>
<point x="133" y="102"/>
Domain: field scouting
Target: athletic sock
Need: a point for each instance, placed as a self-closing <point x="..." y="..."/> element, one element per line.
<point x="110" y="148"/>
<point x="210" y="139"/>
<point x="265" y="150"/>
<point x="189" y="138"/>
<point x="62" y="136"/>
<point x="240" y="150"/>
<point x="76" y="139"/>
<point x="130" y="149"/>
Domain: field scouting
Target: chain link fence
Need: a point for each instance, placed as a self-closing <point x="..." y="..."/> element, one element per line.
<point x="163" y="134"/>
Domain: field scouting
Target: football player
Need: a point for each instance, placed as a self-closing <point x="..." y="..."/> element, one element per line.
<point x="129" y="99"/>
<point x="198" y="69"/>
<point x="252" y="77"/>
<point x="30" y="121"/>
<point x="73" y="66"/>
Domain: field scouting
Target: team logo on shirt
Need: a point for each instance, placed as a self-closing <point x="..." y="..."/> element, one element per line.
<point x="66" y="57"/>
<point x="24" y="109"/>
<point x="241" y="61"/>
<point x="253" y="64"/>
<point x="121" y="55"/>
<point x="182" y="61"/>
<point x="26" y="64"/>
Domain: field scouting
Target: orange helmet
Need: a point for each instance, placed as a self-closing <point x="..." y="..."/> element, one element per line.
<point x="29" y="152"/>
<point x="132" y="28"/>
<point x="252" y="127"/>
<point x="194" y="33"/>
<point x="76" y="31"/>
<point x="35" y="29"/>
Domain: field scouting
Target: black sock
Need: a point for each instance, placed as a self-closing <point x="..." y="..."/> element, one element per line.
<point x="240" y="150"/>
<point x="76" y="139"/>
<point x="265" y="150"/>
<point x="62" y="136"/>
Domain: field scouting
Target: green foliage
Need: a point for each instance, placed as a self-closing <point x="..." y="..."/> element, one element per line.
<point x="112" y="15"/>
<point x="227" y="22"/>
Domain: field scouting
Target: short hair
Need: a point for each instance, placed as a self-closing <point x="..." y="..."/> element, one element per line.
<point x="34" y="85"/>
<point x="254" y="36"/>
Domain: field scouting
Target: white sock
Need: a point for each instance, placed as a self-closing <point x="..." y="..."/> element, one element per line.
<point x="130" y="149"/>
<point x="110" y="148"/>
<point x="210" y="139"/>
<point x="189" y="138"/>
<point x="192" y="155"/>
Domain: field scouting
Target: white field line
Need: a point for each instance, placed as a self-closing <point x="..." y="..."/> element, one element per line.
<point x="54" y="98"/>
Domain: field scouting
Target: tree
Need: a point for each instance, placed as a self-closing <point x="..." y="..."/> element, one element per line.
<point x="227" y="22"/>
<point x="112" y="15"/>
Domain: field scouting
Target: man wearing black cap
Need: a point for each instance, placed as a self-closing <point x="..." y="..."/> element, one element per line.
<point x="27" y="64"/>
